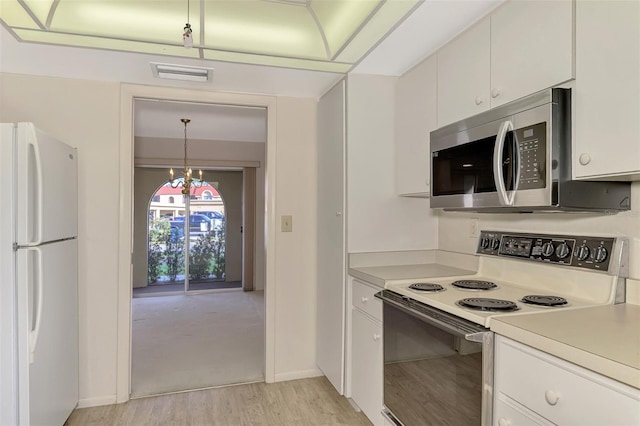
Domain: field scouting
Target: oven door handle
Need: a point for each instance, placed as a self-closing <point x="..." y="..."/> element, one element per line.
<point x="433" y="317"/>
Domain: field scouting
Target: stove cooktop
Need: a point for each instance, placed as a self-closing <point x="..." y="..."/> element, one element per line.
<point x="518" y="269"/>
<point x="447" y="299"/>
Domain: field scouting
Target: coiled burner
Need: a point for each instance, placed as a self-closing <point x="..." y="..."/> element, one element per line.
<point x="427" y="287"/>
<point x="541" y="300"/>
<point x="474" y="284"/>
<point x="489" y="305"/>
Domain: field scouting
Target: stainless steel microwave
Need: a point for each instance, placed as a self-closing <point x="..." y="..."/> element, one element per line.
<point x="516" y="158"/>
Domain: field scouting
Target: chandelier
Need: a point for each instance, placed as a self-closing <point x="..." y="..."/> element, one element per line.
<point x="186" y="181"/>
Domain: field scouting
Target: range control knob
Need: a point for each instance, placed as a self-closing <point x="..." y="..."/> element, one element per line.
<point x="600" y="254"/>
<point x="495" y="243"/>
<point x="548" y="249"/>
<point x="563" y="251"/>
<point x="582" y="252"/>
<point x="484" y="242"/>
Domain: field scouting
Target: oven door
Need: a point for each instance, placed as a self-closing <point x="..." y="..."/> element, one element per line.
<point x="438" y="368"/>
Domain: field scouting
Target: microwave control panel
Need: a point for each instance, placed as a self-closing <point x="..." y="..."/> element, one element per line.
<point x="532" y="143"/>
<point x="576" y="251"/>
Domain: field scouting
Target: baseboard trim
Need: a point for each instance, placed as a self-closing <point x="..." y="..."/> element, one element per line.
<point x="294" y="375"/>
<point x="97" y="401"/>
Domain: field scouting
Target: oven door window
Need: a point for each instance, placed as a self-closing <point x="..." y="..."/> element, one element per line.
<point x="468" y="168"/>
<point x="431" y="377"/>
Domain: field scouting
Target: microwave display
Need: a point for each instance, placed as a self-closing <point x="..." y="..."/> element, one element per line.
<point x="532" y="141"/>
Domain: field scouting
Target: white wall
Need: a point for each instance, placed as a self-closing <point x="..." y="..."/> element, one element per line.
<point x="86" y="114"/>
<point x="296" y="251"/>
<point x="377" y="219"/>
<point x="454" y="227"/>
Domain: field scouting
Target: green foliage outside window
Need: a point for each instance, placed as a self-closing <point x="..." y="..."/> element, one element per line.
<point x="166" y="253"/>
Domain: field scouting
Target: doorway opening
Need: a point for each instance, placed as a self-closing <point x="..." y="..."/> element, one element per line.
<point x="192" y="251"/>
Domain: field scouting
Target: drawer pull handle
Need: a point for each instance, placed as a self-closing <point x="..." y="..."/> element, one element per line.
<point x="376" y="337"/>
<point x="479" y="100"/>
<point x="551" y="397"/>
<point x="504" y="422"/>
<point x="584" y="159"/>
<point x="364" y="299"/>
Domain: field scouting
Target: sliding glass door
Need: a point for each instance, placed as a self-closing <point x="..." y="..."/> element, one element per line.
<point x="186" y="239"/>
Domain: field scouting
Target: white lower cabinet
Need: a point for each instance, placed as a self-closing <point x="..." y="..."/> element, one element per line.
<point x="535" y="388"/>
<point x="366" y="351"/>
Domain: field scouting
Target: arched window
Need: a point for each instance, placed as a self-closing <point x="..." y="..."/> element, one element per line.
<point x="171" y="200"/>
<point x="207" y="195"/>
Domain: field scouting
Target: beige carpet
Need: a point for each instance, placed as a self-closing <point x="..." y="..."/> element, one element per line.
<point x="196" y="341"/>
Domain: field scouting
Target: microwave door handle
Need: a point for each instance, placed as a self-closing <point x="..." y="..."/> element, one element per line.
<point x="498" y="177"/>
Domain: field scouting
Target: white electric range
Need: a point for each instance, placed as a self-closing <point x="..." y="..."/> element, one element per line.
<point x="559" y="271"/>
<point x="431" y="337"/>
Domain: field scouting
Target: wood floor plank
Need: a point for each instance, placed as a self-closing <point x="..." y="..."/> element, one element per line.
<point x="310" y="402"/>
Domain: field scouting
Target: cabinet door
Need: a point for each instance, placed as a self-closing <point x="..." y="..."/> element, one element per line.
<point x="531" y="48"/>
<point x="607" y="93"/>
<point x="331" y="244"/>
<point x="366" y="369"/>
<point x="415" y="118"/>
<point x="463" y="75"/>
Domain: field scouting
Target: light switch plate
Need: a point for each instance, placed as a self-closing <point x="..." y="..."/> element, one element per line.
<point x="286" y="223"/>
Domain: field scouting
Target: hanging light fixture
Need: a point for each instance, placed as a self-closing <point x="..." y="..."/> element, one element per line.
<point x="186" y="181"/>
<point x="187" y="34"/>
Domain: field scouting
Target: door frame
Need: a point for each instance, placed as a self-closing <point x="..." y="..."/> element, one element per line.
<point x="128" y="94"/>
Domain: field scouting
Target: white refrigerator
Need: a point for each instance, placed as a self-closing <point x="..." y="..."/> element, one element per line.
<point x="38" y="277"/>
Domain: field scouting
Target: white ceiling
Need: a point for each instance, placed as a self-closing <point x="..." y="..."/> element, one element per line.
<point x="321" y="35"/>
<point x="428" y="28"/>
<point x="431" y="25"/>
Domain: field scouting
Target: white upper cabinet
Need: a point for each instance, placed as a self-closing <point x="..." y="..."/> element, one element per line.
<point x="531" y="48"/>
<point x="463" y="75"/>
<point x="607" y="91"/>
<point x="521" y="48"/>
<point x="415" y="118"/>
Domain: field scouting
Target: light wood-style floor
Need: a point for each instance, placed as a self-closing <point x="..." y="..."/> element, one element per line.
<point x="311" y="401"/>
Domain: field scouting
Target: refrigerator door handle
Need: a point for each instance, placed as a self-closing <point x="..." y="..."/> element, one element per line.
<point x="39" y="209"/>
<point x="39" y="298"/>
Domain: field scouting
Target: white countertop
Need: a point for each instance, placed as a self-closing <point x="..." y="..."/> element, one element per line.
<point x="604" y="339"/>
<point x="379" y="275"/>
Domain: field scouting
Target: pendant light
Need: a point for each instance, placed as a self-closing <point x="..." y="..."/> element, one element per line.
<point x="187" y="181"/>
<point x="187" y="34"/>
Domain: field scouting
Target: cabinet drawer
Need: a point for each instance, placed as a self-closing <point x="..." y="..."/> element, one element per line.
<point x="507" y="413"/>
<point x="363" y="298"/>
<point x="561" y="391"/>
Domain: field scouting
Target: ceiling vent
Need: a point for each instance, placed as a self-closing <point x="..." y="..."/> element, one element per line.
<point x="181" y="72"/>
